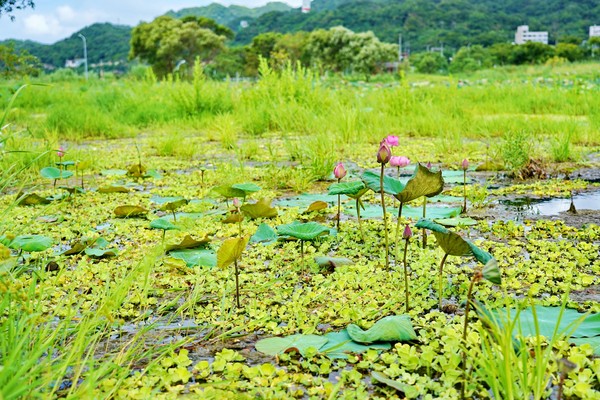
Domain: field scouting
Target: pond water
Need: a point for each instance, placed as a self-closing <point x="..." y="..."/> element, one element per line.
<point x="525" y="206"/>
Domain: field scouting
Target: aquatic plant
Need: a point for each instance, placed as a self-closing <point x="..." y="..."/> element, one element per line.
<point x="384" y="154"/>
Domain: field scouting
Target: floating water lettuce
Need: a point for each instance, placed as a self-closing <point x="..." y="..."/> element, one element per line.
<point x="410" y="391"/>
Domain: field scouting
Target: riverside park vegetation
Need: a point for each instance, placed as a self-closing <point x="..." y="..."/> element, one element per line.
<point x="167" y="238"/>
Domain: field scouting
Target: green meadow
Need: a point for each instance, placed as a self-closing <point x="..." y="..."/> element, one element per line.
<point x="190" y="239"/>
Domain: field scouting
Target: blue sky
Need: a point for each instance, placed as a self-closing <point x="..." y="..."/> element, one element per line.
<point x="51" y="20"/>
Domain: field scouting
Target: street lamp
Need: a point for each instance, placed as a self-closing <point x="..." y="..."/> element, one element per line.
<point x="84" y="54"/>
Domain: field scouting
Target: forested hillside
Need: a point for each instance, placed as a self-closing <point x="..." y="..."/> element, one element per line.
<point x="229" y="15"/>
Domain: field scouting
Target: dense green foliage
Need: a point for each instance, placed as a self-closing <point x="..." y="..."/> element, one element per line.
<point x="230" y="15"/>
<point x="15" y="64"/>
<point x="426" y="23"/>
<point x="9" y="6"/>
<point x="105" y="42"/>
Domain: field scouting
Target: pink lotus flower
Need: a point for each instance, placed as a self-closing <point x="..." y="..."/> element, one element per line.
<point x="465" y="164"/>
<point x="236" y="202"/>
<point x="339" y="171"/>
<point x="384" y="154"/>
<point x="399" y="161"/>
<point x="407" y="233"/>
<point x="429" y="165"/>
<point x="60" y="152"/>
<point x="392" y="140"/>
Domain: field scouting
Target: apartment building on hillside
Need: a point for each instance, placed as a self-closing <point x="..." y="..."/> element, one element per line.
<point x="524" y="35"/>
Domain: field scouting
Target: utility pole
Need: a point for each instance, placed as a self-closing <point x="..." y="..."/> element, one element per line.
<point x="400" y="48"/>
<point x="85" y="61"/>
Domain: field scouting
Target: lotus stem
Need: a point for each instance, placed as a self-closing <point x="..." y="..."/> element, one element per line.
<point x="362" y="234"/>
<point x="424" y="214"/>
<point x="302" y="253"/>
<point x="440" y="289"/>
<point x="477" y="275"/>
<point x="406" y="275"/>
<point x="174" y="216"/>
<point x="237" y="284"/>
<point x="398" y="230"/>
<point x="464" y="210"/>
<point x="387" y="249"/>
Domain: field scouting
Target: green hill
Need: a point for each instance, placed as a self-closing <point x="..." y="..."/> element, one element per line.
<point x="424" y="23"/>
<point x="105" y="42"/>
<point x="228" y="15"/>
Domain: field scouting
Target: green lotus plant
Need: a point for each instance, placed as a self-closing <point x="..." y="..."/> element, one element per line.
<point x="55" y="174"/>
<point x="164" y="225"/>
<point x="240" y="190"/>
<point x="229" y="253"/>
<point x="308" y="231"/>
<point x="354" y="190"/>
<point x="464" y="165"/>
<point x="384" y="154"/>
<point x="339" y="172"/>
<point x="453" y="245"/>
<point x="406" y="236"/>
<point x="172" y="206"/>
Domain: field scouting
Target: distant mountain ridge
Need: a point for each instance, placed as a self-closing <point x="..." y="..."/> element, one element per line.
<point x="227" y="15"/>
<point x="421" y="23"/>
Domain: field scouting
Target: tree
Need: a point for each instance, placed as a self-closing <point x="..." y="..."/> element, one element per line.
<point x="571" y="52"/>
<point x="470" y="59"/>
<point x="9" y="6"/>
<point x="167" y="41"/>
<point x="16" y="64"/>
<point x="429" y="62"/>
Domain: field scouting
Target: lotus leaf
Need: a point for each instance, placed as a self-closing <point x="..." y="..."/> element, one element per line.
<point x="130" y="211"/>
<point x="303" y="200"/>
<point x="375" y="211"/>
<point x="31" y="199"/>
<point x="96" y="252"/>
<point x="31" y="243"/>
<point x="65" y="163"/>
<point x="196" y="257"/>
<point x="260" y="209"/>
<point x="136" y="170"/>
<point x="332" y="261"/>
<point x="113" y="172"/>
<point x="456" y="221"/>
<point x="165" y="200"/>
<point x="55" y="173"/>
<point x="300" y="343"/>
<point x="303" y="231"/>
<point x="340" y="344"/>
<point x="316" y="206"/>
<point x="351" y="189"/>
<point x="153" y="174"/>
<point x="491" y="272"/>
<point x="395" y="328"/>
<point x="188" y="243"/>
<point x="231" y="250"/>
<point x="228" y="192"/>
<point x="390" y="185"/>
<point x="233" y="218"/>
<point x="455" y="177"/>
<point x="161" y="223"/>
<point x="247" y="188"/>
<point x="264" y="234"/>
<point x="422" y="183"/>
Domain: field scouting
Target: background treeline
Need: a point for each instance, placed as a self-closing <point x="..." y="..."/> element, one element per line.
<point x="467" y="35"/>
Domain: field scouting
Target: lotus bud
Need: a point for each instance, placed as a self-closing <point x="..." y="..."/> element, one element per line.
<point x="465" y="164"/>
<point x="392" y="140"/>
<point x="429" y="165"/>
<point x="60" y="152"/>
<point x="236" y="202"/>
<point x="384" y="154"/>
<point x="407" y="233"/>
<point x="399" y="161"/>
<point x="339" y="171"/>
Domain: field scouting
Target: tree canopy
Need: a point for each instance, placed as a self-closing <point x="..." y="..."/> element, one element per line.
<point x="9" y="6"/>
<point x="166" y="42"/>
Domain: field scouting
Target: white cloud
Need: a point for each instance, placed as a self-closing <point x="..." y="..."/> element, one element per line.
<point x="65" y="13"/>
<point x="38" y="24"/>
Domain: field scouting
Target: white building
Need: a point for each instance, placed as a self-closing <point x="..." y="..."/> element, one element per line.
<point x="594" y="31"/>
<point x="306" y="6"/>
<point x="523" y="35"/>
<point x="74" y="63"/>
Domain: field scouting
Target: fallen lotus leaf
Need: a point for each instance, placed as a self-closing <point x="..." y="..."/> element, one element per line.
<point x="260" y="209"/>
<point x="77" y="248"/>
<point x="31" y="199"/>
<point x="395" y="328"/>
<point x="130" y="211"/>
<point x="136" y="170"/>
<point x="316" y="206"/>
<point x="188" y="243"/>
<point x="340" y="344"/>
<point x="264" y="234"/>
<point x="174" y="205"/>
<point x="31" y="243"/>
<point x="113" y="189"/>
<point x="196" y="257"/>
<point x="280" y="345"/>
<point x="231" y="251"/>
<point x="332" y="261"/>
